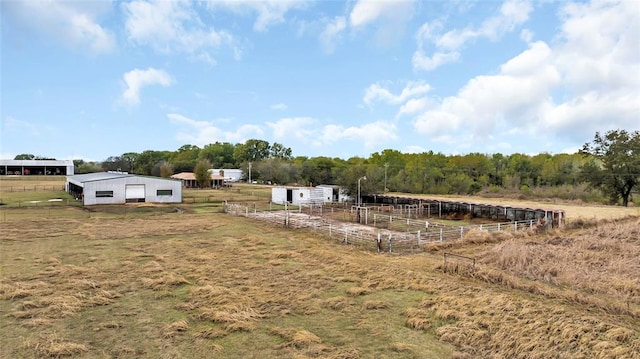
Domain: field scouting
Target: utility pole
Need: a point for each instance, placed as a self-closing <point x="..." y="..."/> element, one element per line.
<point x="250" y="173"/>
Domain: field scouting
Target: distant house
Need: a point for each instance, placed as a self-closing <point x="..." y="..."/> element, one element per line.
<point x="189" y="180"/>
<point x="118" y="187"/>
<point x="36" y="167"/>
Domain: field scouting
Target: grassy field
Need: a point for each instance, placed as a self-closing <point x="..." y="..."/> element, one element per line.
<point x="153" y="282"/>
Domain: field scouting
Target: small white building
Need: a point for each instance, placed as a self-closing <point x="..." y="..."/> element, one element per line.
<point x="118" y="187"/>
<point x="300" y="195"/>
<point x="229" y="174"/>
<point x="333" y="193"/>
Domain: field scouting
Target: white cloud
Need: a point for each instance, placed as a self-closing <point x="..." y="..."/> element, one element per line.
<point x="73" y="23"/>
<point x="365" y="12"/>
<point x="586" y="82"/>
<point x="526" y="35"/>
<point x="414" y="106"/>
<point x="174" y="26"/>
<point x="390" y="18"/>
<point x="512" y="14"/>
<point x="376" y="92"/>
<point x="136" y="79"/>
<point x="279" y="107"/>
<point x="269" y="12"/>
<point x="201" y="133"/>
<point x="298" y="127"/>
<point x="421" y="61"/>
<point x="331" y="33"/>
<point x="370" y="134"/>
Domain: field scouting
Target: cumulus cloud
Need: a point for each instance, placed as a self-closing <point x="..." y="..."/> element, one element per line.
<point x="585" y="82"/>
<point x="366" y="12"/>
<point x="512" y="14"/>
<point x="370" y="134"/>
<point x="174" y="26"/>
<point x="269" y="12"/>
<point x="309" y="130"/>
<point x="331" y="33"/>
<point x="73" y="23"/>
<point x="377" y="92"/>
<point x="136" y="79"/>
<point x="202" y="133"/>
<point x="298" y="127"/>
<point x="390" y="19"/>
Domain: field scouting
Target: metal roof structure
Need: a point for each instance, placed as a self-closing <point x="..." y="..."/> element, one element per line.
<point x="36" y="163"/>
<point x="97" y="176"/>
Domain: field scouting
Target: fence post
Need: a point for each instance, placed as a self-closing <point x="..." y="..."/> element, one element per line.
<point x="498" y="227"/>
<point x="515" y="226"/>
<point x="461" y="232"/>
<point x="346" y="240"/>
<point x="390" y="246"/>
<point x="379" y="242"/>
<point x="441" y="235"/>
<point x="418" y="238"/>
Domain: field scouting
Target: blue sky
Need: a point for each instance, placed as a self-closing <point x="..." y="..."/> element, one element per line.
<point x="92" y="79"/>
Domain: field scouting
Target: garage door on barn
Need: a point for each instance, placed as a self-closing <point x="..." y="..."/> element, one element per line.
<point x="134" y="193"/>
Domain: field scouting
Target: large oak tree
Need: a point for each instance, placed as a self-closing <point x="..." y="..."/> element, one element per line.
<point x="614" y="167"/>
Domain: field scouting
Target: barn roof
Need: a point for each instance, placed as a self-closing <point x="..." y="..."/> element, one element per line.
<point x="30" y="163"/>
<point x="97" y="176"/>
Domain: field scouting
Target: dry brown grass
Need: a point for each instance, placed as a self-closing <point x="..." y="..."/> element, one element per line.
<point x="600" y="260"/>
<point x="54" y="347"/>
<point x="218" y="286"/>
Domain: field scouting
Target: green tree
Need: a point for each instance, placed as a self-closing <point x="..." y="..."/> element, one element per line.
<point x="166" y="170"/>
<point x="82" y="167"/>
<point x="614" y="167"/>
<point x="149" y="160"/>
<point x="220" y="154"/>
<point x="279" y="151"/>
<point x="24" y="156"/>
<point x="130" y="159"/>
<point x="201" y="172"/>
<point x="252" y="151"/>
<point x="184" y="159"/>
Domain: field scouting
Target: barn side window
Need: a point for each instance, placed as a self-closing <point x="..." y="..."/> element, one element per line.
<point x="164" y="192"/>
<point x="103" y="194"/>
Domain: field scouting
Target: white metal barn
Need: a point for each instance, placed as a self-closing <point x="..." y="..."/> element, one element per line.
<point x="118" y="187"/>
<point x="298" y="195"/>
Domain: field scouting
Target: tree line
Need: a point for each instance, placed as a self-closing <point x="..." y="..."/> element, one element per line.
<point x="607" y="168"/>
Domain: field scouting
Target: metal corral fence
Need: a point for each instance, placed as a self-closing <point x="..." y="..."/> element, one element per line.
<point x="372" y="236"/>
